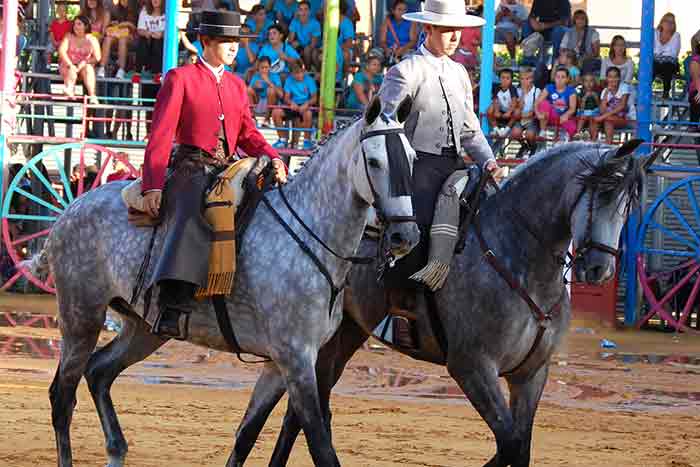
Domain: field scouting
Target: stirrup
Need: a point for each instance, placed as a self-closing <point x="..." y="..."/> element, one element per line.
<point x="171" y="329"/>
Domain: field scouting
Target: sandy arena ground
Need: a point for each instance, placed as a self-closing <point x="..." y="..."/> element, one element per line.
<point x="638" y="406"/>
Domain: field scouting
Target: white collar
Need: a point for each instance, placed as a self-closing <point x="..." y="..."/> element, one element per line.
<point x="424" y="50"/>
<point x="218" y="72"/>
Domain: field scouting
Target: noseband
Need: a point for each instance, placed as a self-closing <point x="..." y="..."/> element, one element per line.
<point x="588" y="242"/>
<point x="381" y="214"/>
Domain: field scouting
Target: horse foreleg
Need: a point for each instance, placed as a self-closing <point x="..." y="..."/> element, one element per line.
<point x="329" y="367"/>
<point x="525" y="396"/>
<point x="480" y="385"/>
<point x="134" y="343"/>
<point x="269" y="389"/>
<point x="80" y="328"/>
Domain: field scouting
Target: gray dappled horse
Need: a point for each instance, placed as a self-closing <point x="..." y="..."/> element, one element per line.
<point x="280" y="304"/>
<point x="576" y="191"/>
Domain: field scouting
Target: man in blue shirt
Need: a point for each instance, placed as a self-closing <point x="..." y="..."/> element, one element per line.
<point x="285" y="10"/>
<point x="300" y="93"/>
<point x="259" y="23"/>
<point x="305" y="35"/>
<point x="550" y="18"/>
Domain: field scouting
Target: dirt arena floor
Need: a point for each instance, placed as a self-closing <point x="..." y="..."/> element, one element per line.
<point x="637" y="405"/>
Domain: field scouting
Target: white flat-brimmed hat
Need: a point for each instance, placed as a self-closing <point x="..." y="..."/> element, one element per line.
<point x="450" y="13"/>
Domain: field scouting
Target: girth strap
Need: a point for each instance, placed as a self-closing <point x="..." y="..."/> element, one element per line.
<point x="224" y="321"/>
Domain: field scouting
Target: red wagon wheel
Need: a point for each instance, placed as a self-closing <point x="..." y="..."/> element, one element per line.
<point x="669" y="257"/>
<point x="39" y="211"/>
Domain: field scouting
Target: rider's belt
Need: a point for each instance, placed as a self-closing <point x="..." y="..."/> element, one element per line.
<point x="449" y="151"/>
<point x="192" y="158"/>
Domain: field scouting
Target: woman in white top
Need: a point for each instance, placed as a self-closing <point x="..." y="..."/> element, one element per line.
<point x="585" y="42"/>
<point x="618" y="58"/>
<point x="150" y="29"/>
<point x="667" y="47"/>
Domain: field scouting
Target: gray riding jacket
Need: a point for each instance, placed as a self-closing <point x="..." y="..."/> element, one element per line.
<point x="438" y="85"/>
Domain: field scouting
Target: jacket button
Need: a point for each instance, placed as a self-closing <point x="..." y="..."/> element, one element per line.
<point x="444" y="112"/>
<point x="442" y="129"/>
<point x="438" y="145"/>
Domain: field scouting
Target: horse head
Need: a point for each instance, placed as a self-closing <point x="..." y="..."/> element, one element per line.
<point x="382" y="175"/>
<point x="611" y="189"/>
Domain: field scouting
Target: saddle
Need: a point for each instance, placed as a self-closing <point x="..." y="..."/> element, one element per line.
<point x="236" y="188"/>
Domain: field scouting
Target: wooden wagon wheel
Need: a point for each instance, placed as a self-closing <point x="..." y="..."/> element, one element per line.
<point x="669" y="257"/>
<point x="45" y="209"/>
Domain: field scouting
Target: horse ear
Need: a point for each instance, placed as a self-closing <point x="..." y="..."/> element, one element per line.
<point x="404" y="109"/>
<point x="373" y="110"/>
<point x="628" y="148"/>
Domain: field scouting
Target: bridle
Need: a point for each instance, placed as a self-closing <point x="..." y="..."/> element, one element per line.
<point x="588" y="243"/>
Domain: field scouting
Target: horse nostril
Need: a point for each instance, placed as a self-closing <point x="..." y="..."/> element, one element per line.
<point x="396" y="238"/>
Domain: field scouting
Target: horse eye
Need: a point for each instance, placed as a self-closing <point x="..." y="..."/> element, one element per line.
<point x="374" y="163"/>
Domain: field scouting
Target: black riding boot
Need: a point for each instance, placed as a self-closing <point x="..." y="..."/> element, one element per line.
<point x="175" y="303"/>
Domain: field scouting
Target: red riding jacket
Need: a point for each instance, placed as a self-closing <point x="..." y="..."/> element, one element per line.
<point x="187" y="111"/>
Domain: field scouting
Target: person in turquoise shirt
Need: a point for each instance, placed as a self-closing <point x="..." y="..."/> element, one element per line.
<point x="246" y="55"/>
<point x="281" y="54"/>
<point x="346" y="37"/>
<point x="365" y="84"/>
<point x="265" y="88"/>
<point x="259" y="23"/>
<point x="316" y="9"/>
<point x="285" y="11"/>
<point x="305" y="35"/>
<point x="300" y="93"/>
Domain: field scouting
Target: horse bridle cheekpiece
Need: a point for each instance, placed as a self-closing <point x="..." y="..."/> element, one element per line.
<point x="588" y="244"/>
<point x="399" y="171"/>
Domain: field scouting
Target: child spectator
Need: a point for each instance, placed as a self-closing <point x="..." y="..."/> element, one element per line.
<point x="557" y="106"/>
<point x="694" y="80"/>
<point x="265" y="88"/>
<point x="346" y="38"/>
<point x="525" y="130"/>
<point x="78" y="54"/>
<point x="248" y="50"/>
<point x="98" y="16"/>
<point x="259" y="23"/>
<point x="618" y="58"/>
<point x="589" y="108"/>
<point x="285" y="10"/>
<point x="667" y="47"/>
<point x="305" y="35"/>
<point x="585" y="42"/>
<point x="510" y="17"/>
<point x="58" y="28"/>
<point x="397" y="36"/>
<point x="151" y="26"/>
<point x="503" y="111"/>
<point x="120" y="29"/>
<point x="567" y="59"/>
<point x="280" y="53"/>
<point x="365" y="84"/>
<point x="300" y="93"/>
<point x="613" y="104"/>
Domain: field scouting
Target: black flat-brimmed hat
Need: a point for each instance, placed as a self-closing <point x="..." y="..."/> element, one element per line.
<point x="222" y="24"/>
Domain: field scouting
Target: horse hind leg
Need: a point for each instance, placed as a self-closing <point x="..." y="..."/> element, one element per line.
<point x="80" y="328"/>
<point x="525" y="394"/>
<point x="481" y="386"/>
<point x="134" y="343"/>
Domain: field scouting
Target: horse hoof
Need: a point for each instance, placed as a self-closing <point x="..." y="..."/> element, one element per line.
<point x="115" y="462"/>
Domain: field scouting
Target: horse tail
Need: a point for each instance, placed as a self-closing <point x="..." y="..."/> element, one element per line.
<point x="38" y="265"/>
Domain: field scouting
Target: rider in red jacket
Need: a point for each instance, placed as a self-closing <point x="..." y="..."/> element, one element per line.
<point x="205" y="110"/>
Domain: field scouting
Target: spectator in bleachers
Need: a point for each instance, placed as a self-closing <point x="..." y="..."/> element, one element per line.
<point x="305" y="35"/>
<point x="300" y="93"/>
<point x="121" y="29"/>
<point x="589" y="109"/>
<point x="150" y="29"/>
<point x="694" y="79"/>
<point x="120" y="171"/>
<point x="557" y="106"/>
<point x="259" y="23"/>
<point x="89" y="176"/>
<point x="525" y="130"/>
<point x="95" y="11"/>
<point x="365" y="84"/>
<point x="346" y="38"/>
<point x="503" y="111"/>
<point x="78" y="54"/>
<point x="667" y="47"/>
<point x="285" y="11"/>
<point x="467" y="52"/>
<point x="397" y="36"/>
<point x="613" y="104"/>
<point x="247" y="53"/>
<point x="567" y="58"/>
<point x="316" y="9"/>
<point x="265" y="88"/>
<point x="585" y="42"/>
<point x="280" y="53"/>
<point x="550" y="18"/>
<point x="58" y="28"/>
<point x="511" y="15"/>
<point x="618" y="58"/>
